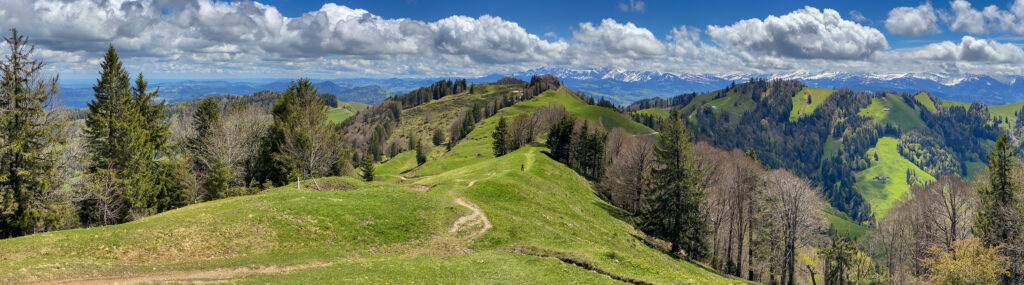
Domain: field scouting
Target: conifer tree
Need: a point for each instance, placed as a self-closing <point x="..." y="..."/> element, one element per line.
<point x="501" y="138"/>
<point x="438" y="137"/>
<point x="367" y="168"/>
<point x="301" y="142"/>
<point x="999" y="221"/>
<point x="421" y="152"/>
<point x="27" y="134"/>
<point x="671" y="203"/>
<point x="126" y="133"/>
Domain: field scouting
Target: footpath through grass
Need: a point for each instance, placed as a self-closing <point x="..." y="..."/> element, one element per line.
<point x="401" y="230"/>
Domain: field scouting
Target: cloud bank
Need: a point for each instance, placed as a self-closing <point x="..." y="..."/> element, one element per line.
<point x="211" y="38"/>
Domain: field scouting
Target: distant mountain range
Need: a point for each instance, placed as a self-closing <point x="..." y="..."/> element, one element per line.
<point x="624" y="87"/>
<point x="370" y="91"/>
<point x="619" y="86"/>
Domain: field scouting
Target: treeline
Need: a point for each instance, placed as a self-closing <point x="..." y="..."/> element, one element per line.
<point x="435" y="91"/>
<point x="131" y="158"/>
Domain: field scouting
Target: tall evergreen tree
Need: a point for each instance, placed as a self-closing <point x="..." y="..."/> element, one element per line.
<point x="501" y="138"/>
<point x="999" y="221"/>
<point x="671" y="202"/>
<point x="302" y="143"/>
<point x="127" y="134"/>
<point x="27" y="136"/>
<point x="367" y="168"/>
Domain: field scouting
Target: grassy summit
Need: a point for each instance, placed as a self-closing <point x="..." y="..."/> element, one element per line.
<point x="464" y="217"/>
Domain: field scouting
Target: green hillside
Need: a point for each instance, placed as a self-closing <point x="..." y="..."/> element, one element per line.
<point x="803" y="108"/>
<point x="422" y="120"/>
<point x="465" y="217"/>
<point x="1006" y="111"/>
<point x="656" y="112"/>
<point x="345" y="110"/>
<point x="891" y="109"/>
<point x="885" y="182"/>
<point x="607" y="118"/>
<point x="926" y="101"/>
<point x="845" y="227"/>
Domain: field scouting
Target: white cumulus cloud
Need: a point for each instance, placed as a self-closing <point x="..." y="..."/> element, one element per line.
<point x="804" y="33"/>
<point x="913" y="21"/>
<point x="970" y="49"/>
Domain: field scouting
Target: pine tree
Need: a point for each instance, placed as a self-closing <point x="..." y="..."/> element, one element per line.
<point x="999" y="221"/>
<point x="671" y="202"/>
<point x="205" y="120"/>
<point x="501" y="138"/>
<point x="438" y="137"/>
<point x="560" y="139"/>
<point x="126" y="133"/>
<point x="27" y="136"/>
<point x="421" y="152"/>
<point x="367" y="168"/>
<point x="302" y="143"/>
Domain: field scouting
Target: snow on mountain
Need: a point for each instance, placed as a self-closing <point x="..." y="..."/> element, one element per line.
<point x="625" y="86"/>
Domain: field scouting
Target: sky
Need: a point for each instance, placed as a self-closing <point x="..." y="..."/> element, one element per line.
<point x="207" y="39"/>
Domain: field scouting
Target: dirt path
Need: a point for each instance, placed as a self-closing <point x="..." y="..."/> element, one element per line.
<point x="190" y="276"/>
<point x="475" y="218"/>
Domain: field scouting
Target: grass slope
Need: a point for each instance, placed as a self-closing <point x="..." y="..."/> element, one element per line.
<point x="891" y="109"/>
<point x="344" y="111"/>
<point x="846" y="227"/>
<point x="1006" y="111"/>
<point x="803" y="109"/>
<point x="437" y="114"/>
<point x="926" y="101"/>
<point x="397" y="231"/>
<point x="656" y="112"/>
<point x="607" y="118"/>
<point x="882" y="194"/>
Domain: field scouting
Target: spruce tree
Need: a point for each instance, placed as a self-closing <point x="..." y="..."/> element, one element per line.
<point x="671" y="202"/>
<point x="367" y="168"/>
<point x="301" y="143"/>
<point x="27" y="136"/>
<point x="421" y="153"/>
<point x="501" y="138"/>
<point x="126" y="133"/>
<point x="438" y="137"/>
<point x="999" y="221"/>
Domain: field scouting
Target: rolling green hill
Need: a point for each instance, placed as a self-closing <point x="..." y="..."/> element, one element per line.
<point x="464" y="217"/>
<point x="656" y="112"/>
<point x="885" y="182"/>
<point x="345" y="110"/>
<point x="891" y="109"/>
<point x="607" y="118"/>
<point x="802" y="107"/>
<point x="422" y="120"/>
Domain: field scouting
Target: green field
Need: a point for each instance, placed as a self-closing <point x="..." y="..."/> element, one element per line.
<point x="607" y="118"/>
<point x="344" y="111"/>
<point x="1006" y="111"/>
<point x="893" y="110"/>
<point x="656" y="112"/>
<point x="465" y="217"/>
<point x="800" y="106"/>
<point x="926" y="101"/>
<point x="845" y="227"/>
<point x="891" y="165"/>
<point x="422" y="120"/>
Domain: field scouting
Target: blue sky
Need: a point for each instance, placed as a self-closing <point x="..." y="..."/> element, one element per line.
<point x="204" y="39"/>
